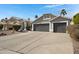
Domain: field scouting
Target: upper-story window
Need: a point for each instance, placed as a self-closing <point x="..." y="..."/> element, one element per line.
<point x="46" y="17"/>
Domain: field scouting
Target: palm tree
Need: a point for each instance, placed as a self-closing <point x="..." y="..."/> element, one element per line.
<point x="36" y="16"/>
<point x="28" y="19"/>
<point x="63" y="12"/>
<point x="6" y="20"/>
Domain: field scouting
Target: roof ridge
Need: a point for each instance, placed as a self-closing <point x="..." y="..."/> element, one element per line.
<point x="54" y="18"/>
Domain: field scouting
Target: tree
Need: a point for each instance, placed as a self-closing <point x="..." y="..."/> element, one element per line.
<point x="28" y="24"/>
<point x="1" y="26"/>
<point x="2" y="20"/>
<point x="63" y="12"/>
<point x="36" y="16"/>
<point x="6" y="18"/>
<point x="7" y="24"/>
<point x="28" y="19"/>
<point x="76" y="18"/>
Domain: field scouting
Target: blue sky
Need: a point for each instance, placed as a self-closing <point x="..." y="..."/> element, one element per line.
<point x="30" y="10"/>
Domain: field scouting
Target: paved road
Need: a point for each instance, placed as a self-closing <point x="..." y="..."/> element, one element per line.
<point x="36" y="42"/>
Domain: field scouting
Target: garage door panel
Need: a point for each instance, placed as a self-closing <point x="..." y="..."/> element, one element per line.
<point x="60" y="27"/>
<point x="41" y="27"/>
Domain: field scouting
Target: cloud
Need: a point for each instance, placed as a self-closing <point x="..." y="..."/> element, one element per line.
<point x="53" y="5"/>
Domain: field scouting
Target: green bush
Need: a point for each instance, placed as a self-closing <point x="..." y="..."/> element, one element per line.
<point x="28" y="27"/>
<point x="16" y="27"/>
<point x="1" y="26"/>
<point x="76" y="18"/>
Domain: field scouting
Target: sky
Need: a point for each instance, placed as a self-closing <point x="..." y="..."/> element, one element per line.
<point x="26" y="11"/>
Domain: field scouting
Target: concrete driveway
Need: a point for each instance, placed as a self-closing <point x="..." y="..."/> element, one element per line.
<point x="36" y="42"/>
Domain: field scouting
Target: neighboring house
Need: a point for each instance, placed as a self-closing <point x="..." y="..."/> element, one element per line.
<point x="15" y="21"/>
<point x="51" y="23"/>
<point x="9" y="23"/>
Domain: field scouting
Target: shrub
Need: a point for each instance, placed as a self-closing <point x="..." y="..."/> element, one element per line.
<point x="28" y="27"/>
<point x="2" y="34"/>
<point x="70" y="29"/>
<point x="1" y="26"/>
<point x="76" y="34"/>
<point x="76" y="18"/>
<point x="73" y="30"/>
<point x="16" y="27"/>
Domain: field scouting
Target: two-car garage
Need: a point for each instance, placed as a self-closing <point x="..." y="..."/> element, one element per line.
<point x="57" y="27"/>
<point x="56" y="24"/>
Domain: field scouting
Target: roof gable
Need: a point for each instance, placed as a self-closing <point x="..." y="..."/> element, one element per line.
<point x="41" y="19"/>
